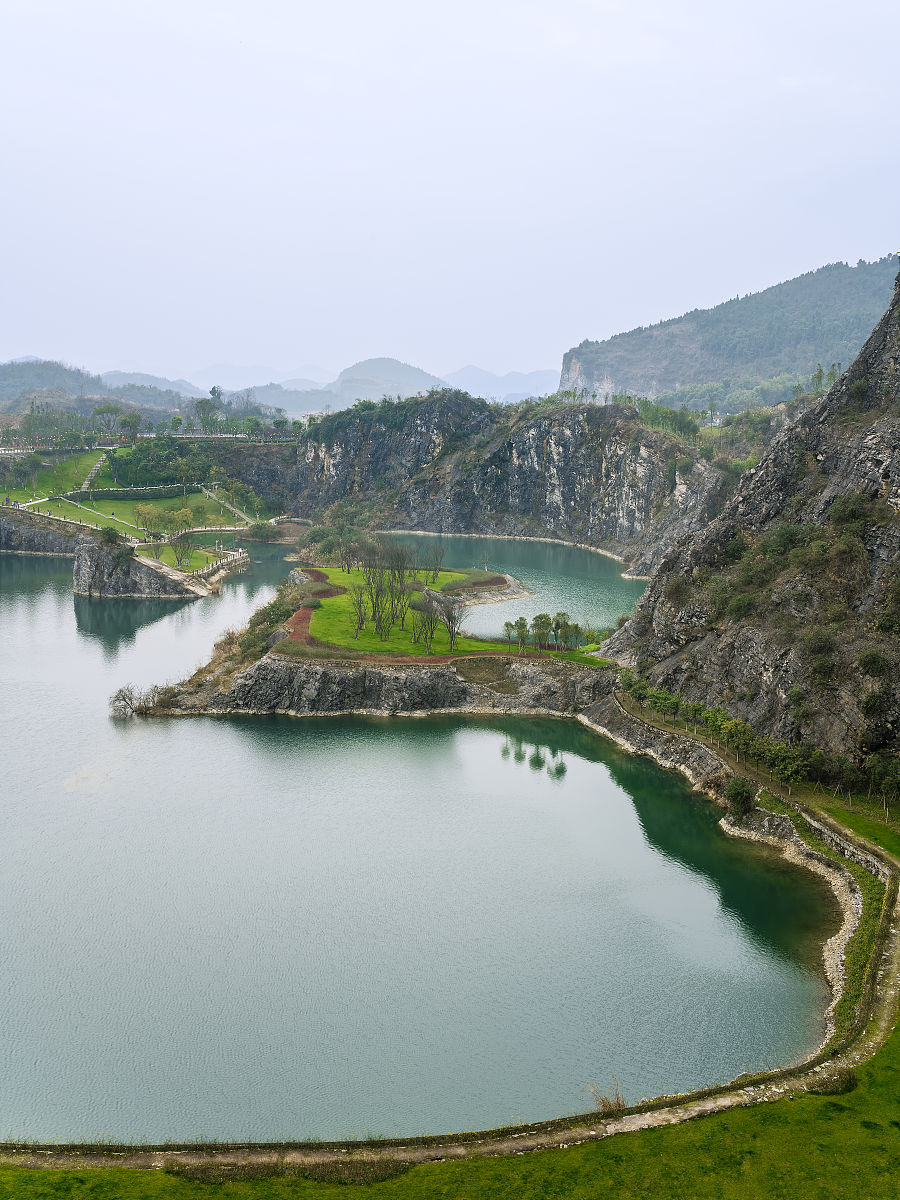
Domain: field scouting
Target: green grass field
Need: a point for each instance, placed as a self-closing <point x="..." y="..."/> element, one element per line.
<point x="334" y="623"/>
<point x="207" y="512"/>
<point x="198" y="558"/>
<point x="103" y="478"/>
<point x="120" y="514"/>
<point x="64" y="476"/>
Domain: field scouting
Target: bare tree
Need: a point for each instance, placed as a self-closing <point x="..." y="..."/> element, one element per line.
<point x="450" y="610"/>
<point x="426" y="616"/>
<point x="437" y="560"/>
<point x="400" y="598"/>
<point x="359" y="601"/>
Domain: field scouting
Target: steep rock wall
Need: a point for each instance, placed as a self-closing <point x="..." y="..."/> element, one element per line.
<point x="279" y="684"/>
<point x="103" y="571"/>
<point x="761" y="665"/>
<point x="588" y="474"/>
<point x="22" y="532"/>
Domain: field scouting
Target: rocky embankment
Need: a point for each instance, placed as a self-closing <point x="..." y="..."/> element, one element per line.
<point x="111" y="572"/>
<point x="22" y="532"/>
<point x="310" y="687"/>
<point x="98" y="570"/>
<point x="787" y="607"/>
<point x="589" y="474"/>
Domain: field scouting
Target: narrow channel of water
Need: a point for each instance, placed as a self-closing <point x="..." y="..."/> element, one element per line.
<point x="560" y="578"/>
<point x="243" y="928"/>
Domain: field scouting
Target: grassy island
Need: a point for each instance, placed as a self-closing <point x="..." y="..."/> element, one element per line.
<point x="343" y="612"/>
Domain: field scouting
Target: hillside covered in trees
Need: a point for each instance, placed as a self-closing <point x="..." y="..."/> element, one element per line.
<point x="751" y="351"/>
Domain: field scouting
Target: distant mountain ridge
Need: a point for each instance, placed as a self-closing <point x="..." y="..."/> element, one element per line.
<point x="115" y="379"/>
<point x="514" y="385"/>
<point x="823" y="317"/>
<point x="65" y="386"/>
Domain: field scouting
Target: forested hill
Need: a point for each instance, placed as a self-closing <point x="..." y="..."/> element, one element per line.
<point x="20" y="381"/>
<point x="781" y="333"/>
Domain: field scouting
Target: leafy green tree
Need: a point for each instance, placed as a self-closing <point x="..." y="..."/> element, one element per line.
<point x="521" y="627"/>
<point x="541" y="625"/>
<point x="130" y="423"/>
<point x="206" y="407"/>
<point x="740" y="796"/>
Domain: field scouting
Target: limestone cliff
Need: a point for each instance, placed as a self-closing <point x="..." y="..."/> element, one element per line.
<point x="23" y="532"/>
<point x="787" y="607"/>
<point x="449" y="464"/>
<point x="104" y="571"/>
<point x="306" y="687"/>
<point x="98" y="570"/>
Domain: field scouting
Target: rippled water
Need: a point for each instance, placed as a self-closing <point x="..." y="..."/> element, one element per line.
<point x="244" y="928"/>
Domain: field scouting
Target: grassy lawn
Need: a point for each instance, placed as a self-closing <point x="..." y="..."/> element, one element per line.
<point x="334" y="622"/>
<point x="64" y="476"/>
<point x="207" y="511"/>
<point x="103" y="478"/>
<point x="199" y="558"/>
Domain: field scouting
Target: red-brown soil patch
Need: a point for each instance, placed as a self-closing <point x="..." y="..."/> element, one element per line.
<point x="299" y="622"/>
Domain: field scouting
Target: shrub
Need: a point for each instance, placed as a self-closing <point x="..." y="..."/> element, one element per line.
<point x="876" y="703"/>
<point x="872" y="663"/>
<point x="858" y="390"/>
<point x="837" y="1083"/>
<point x="734" y="548"/>
<point x="677" y="590"/>
<point x="822" y="668"/>
<point x="819" y="642"/>
<point x="740" y="606"/>
<point x="855" y="506"/>
<point x="740" y="796"/>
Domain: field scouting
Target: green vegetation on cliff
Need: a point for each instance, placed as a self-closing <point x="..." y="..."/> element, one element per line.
<point x="773" y="338"/>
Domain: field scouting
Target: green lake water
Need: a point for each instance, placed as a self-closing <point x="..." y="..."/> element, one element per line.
<point x="266" y="929"/>
<point x="586" y="585"/>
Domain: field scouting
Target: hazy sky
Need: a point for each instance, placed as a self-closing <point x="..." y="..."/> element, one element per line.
<point x="280" y="182"/>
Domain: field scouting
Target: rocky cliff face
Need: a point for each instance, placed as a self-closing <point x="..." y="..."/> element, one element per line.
<point x="22" y="532"/>
<point x="103" y="571"/>
<point x="582" y="473"/>
<point x="304" y="687"/>
<point x="787" y="607"/>
<point x="98" y="570"/>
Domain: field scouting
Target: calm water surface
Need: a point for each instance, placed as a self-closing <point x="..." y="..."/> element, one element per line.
<point x="241" y="928"/>
<point x="588" y="586"/>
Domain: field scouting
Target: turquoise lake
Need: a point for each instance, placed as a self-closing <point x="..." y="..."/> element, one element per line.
<point x="586" y="585"/>
<point x="267" y="929"/>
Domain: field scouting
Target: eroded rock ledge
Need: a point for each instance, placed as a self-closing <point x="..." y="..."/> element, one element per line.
<point x="311" y="687"/>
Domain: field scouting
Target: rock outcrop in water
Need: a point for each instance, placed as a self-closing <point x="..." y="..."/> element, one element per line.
<point x="588" y="474"/>
<point x="787" y="607"/>
<point x="22" y="532"/>
<point x="98" y="570"/>
<point x="108" y="571"/>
